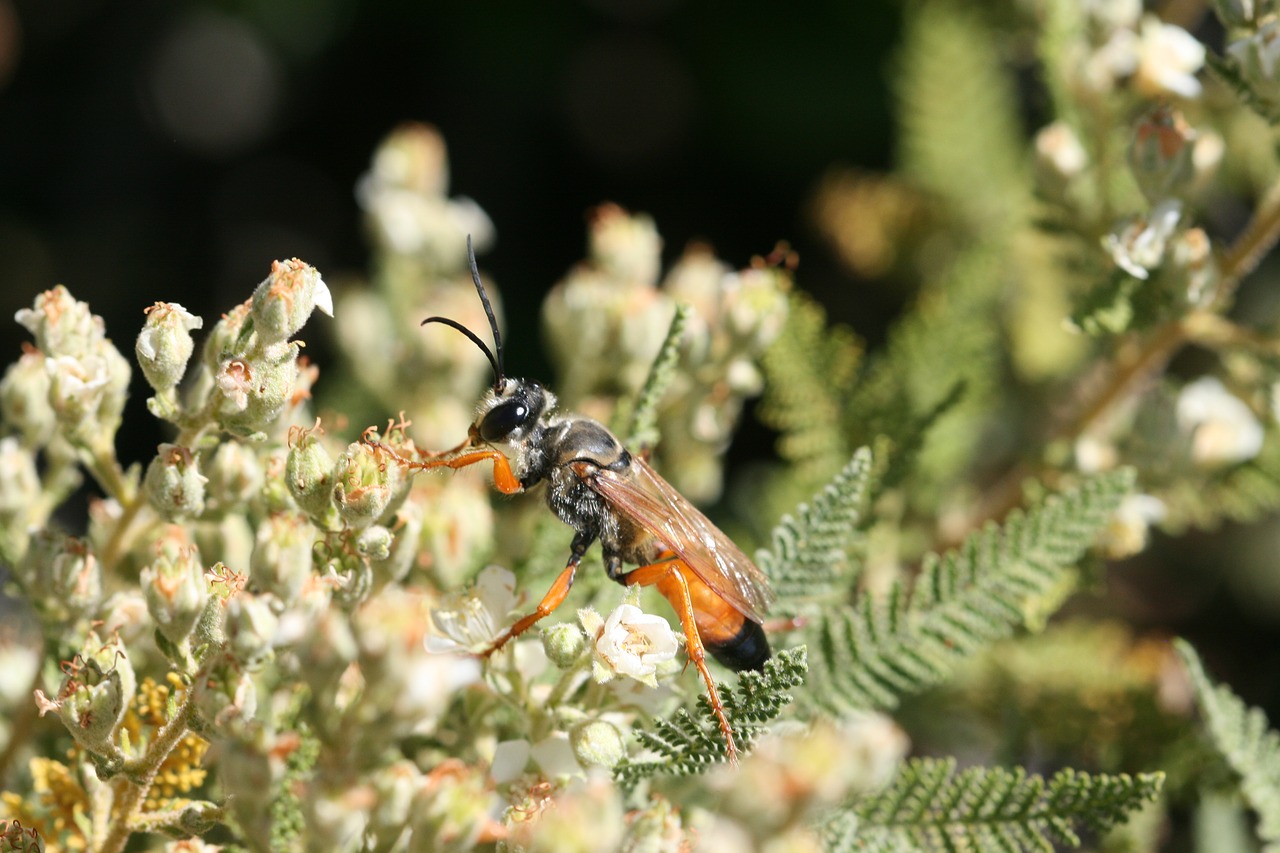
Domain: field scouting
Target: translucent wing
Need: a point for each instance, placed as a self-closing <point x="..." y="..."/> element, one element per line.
<point x="655" y="505"/>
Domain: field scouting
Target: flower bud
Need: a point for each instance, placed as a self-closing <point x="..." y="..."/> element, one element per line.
<point x="234" y="478"/>
<point x="285" y="299"/>
<point x="564" y="643"/>
<point x="597" y="744"/>
<point x="87" y="393"/>
<point x="227" y="337"/>
<point x="14" y="838"/>
<point x="252" y="391"/>
<point x="365" y="485"/>
<point x="1257" y="59"/>
<point x="1236" y="13"/>
<point x="24" y="399"/>
<point x="175" y="586"/>
<point x="61" y="576"/>
<point x="61" y="324"/>
<point x="1139" y="246"/>
<point x="1192" y="266"/>
<point x="250" y="629"/>
<point x="374" y="542"/>
<point x="403" y="553"/>
<point x="97" y="689"/>
<point x="19" y="488"/>
<point x="225" y="695"/>
<point x="281" y="561"/>
<point x="1060" y="158"/>
<point x="174" y="484"/>
<point x="164" y="345"/>
<point x="1161" y="154"/>
<point x="625" y="246"/>
<point x="309" y="475"/>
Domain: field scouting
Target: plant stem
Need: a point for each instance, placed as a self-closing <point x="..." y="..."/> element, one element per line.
<point x="136" y="787"/>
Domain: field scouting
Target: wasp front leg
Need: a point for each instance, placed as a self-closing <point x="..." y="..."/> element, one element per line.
<point x="553" y="599"/>
<point x="503" y="477"/>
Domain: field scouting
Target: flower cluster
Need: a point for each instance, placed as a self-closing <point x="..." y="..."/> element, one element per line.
<point x="607" y="318"/>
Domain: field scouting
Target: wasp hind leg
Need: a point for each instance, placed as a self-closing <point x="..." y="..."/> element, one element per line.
<point x="671" y="583"/>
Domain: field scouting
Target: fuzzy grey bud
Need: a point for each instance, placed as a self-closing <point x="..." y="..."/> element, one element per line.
<point x="309" y="475"/>
<point x="252" y="391"/>
<point x="62" y="324"/>
<point x="175" y="586"/>
<point x="1160" y="155"/>
<point x="96" y="691"/>
<point x="164" y="345"/>
<point x="281" y="561"/>
<point x="365" y="485"/>
<point x="14" y="838"/>
<point x="597" y="744"/>
<point x="250" y="629"/>
<point x="87" y="393"/>
<point x="235" y="478"/>
<point x="61" y="575"/>
<point x="174" y="484"/>
<point x="24" y="399"/>
<point x="286" y="298"/>
<point x="564" y="643"/>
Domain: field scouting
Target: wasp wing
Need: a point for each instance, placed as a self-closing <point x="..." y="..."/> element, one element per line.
<point x="655" y="505"/>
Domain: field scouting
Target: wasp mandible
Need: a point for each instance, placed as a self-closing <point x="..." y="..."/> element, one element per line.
<point x="606" y="493"/>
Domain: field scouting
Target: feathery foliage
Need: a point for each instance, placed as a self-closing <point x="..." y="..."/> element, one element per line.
<point x="642" y="425"/>
<point x="931" y="805"/>
<point x="809" y="371"/>
<point x="688" y="743"/>
<point x="870" y="655"/>
<point x="1243" y="737"/>
<point x="808" y="555"/>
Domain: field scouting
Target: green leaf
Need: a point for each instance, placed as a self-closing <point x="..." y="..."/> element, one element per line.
<point x="808" y="555"/>
<point x="931" y="805"/>
<point x="1243" y="737"/>
<point x="871" y="654"/>
<point x="642" y="425"/>
<point x="687" y="743"/>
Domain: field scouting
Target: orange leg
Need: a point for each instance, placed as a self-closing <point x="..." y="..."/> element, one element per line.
<point x="553" y="599"/>
<point x="670" y="581"/>
<point x="503" y="477"/>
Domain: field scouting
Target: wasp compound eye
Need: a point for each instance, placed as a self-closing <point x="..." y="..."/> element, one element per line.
<point x="499" y="423"/>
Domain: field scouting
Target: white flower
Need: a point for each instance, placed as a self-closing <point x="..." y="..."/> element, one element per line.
<point x="1222" y="427"/>
<point x="630" y="642"/>
<point x="1059" y="154"/>
<point x="1139" y="247"/>
<point x="472" y="621"/>
<point x="1258" y="59"/>
<point x="1126" y="532"/>
<point x="1168" y="59"/>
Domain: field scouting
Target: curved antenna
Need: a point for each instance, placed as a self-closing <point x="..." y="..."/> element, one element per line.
<point x="475" y="339"/>
<point x="499" y="371"/>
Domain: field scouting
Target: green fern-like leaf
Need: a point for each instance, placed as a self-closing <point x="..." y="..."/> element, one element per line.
<point x="809" y="550"/>
<point x="1242" y="493"/>
<point x="808" y="371"/>
<point x="960" y="134"/>
<point x="870" y="655"/>
<point x="932" y="806"/>
<point x="1242" y="735"/>
<point x="642" y="425"/>
<point x="687" y="743"/>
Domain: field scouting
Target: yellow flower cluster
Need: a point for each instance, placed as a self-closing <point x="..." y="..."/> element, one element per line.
<point x="58" y="809"/>
<point x="181" y="772"/>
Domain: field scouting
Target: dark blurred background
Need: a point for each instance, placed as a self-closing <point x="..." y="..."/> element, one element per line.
<point x="171" y="150"/>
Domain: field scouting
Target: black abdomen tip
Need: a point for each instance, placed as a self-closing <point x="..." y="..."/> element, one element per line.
<point x="748" y="649"/>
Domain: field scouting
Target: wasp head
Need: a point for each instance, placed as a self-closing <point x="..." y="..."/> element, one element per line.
<point x="510" y="412"/>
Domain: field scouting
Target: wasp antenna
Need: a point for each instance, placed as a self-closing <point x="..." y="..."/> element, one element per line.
<point x="475" y="339"/>
<point x="498" y="369"/>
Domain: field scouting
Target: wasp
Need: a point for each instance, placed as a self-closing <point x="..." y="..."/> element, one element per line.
<point x="611" y="495"/>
